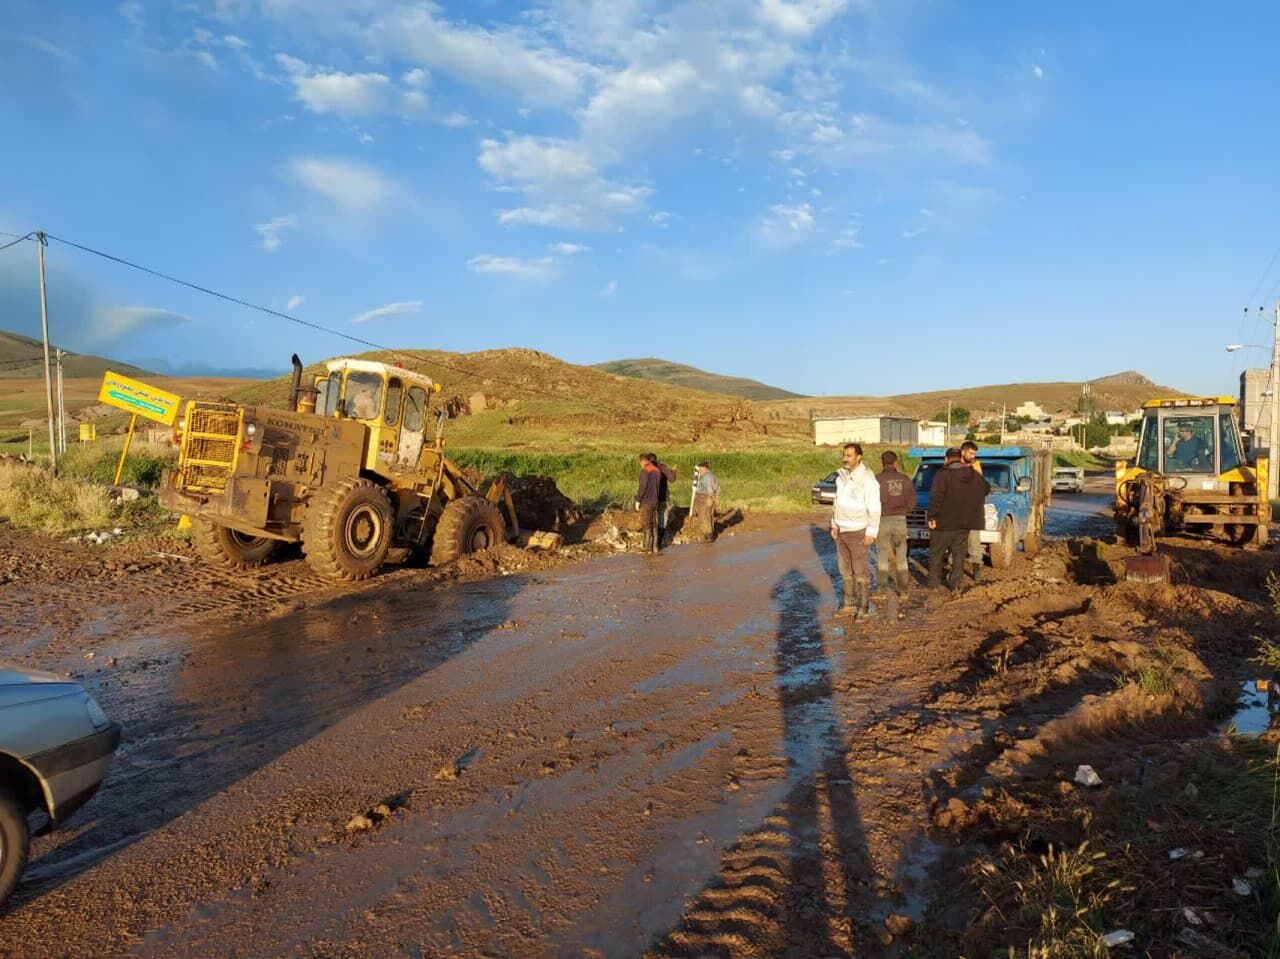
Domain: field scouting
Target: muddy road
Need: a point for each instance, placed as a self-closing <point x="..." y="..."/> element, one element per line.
<point x="680" y="755"/>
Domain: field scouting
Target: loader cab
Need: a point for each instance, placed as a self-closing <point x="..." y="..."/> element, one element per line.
<point x="390" y="400"/>
<point x="1194" y="438"/>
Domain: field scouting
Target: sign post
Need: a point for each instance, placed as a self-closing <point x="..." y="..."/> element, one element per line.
<point x="137" y="399"/>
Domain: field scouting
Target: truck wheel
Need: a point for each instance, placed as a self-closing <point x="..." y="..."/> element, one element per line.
<point x="347" y="531"/>
<point x="1031" y="543"/>
<point x="1002" y="553"/>
<point x="221" y="546"/>
<point x="15" y="842"/>
<point x="467" y="525"/>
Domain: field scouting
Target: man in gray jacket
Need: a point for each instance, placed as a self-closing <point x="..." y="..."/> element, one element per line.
<point x="897" y="499"/>
<point x="706" y="493"/>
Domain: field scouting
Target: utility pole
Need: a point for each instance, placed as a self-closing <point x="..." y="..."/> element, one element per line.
<point x="1274" y="440"/>
<point x="62" y="408"/>
<point x="44" y="329"/>
<point x="947" y="432"/>
<point x="1003" y="406"/>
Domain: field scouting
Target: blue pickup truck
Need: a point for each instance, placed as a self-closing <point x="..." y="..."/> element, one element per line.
<point x="1021" y="487"/>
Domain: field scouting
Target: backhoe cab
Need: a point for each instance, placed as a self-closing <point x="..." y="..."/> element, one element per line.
<point x="1191" y="473"/>
<point x="354" y="470"/>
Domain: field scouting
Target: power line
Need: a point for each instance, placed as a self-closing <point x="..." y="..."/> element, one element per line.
<point x="1262" y="279"/>
<point x="15" y="242"/>
<point x="301" y="322"/>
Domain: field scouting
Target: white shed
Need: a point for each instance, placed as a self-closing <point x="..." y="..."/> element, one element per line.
<point x="875" y="429"/>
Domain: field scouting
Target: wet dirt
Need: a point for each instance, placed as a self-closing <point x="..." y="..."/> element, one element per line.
<point x="578" y="754"/>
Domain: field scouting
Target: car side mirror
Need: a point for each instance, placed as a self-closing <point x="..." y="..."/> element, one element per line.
<point x="1024" y="484"/>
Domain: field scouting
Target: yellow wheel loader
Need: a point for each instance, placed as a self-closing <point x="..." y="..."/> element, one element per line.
<point x="354" y="470"/>
<point x="1191" y="475"/>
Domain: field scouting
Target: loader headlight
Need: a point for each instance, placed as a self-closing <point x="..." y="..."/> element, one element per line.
<point x="182" y="422"/>
<point x="250" y="429"/>
<point x="991" y="516"/>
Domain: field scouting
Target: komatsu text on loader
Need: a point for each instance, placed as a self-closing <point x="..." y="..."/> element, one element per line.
<point x="354" y="470"/>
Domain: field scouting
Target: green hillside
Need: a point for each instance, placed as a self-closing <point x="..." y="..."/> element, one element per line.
<point x="21" y="357"/>
<point x="690" y="377"/>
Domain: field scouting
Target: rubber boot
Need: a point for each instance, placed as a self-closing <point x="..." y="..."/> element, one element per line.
<point x="863" y="590"/>
<point x="904" y="580"/>
<point x="977" y="573"/>
<point x="850" y="607"/>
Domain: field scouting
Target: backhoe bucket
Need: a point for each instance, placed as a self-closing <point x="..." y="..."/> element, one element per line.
<point x="1153" y="568"/>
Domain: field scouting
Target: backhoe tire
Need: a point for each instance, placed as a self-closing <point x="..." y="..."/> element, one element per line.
<point x="347" y="530"/>
<point x="15" y="842"/>
<point x="467" y="525"/>
<point x="1003" y="552"/>
<point x="225" y="548"/>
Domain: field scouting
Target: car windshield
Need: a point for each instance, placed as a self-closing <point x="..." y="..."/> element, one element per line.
<point x="997" y="474"/>
<point x="828" y="480"/>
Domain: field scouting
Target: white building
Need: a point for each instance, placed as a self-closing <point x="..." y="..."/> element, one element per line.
<point x="1255" y="406"/>
<point x="1030" y="410"/>
<point x="1116" y="417"/>
<point x="874" y="429"/>
<point x="932" y="433"/>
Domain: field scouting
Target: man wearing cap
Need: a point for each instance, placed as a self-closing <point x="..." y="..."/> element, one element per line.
<point x="706" y="493"/>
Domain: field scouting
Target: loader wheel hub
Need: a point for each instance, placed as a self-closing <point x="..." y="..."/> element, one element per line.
<point x="363" y="531"/>
<point x="479" y="540"/>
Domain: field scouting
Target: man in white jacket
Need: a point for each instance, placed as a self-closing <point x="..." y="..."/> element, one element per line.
<point x="855" y="522"/>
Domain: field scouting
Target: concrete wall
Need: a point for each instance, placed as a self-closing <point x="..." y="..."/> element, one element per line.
<point x="1255" y="409"/>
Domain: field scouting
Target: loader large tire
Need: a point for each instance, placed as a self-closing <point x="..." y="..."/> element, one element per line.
<point x="347" y="530"/>
<point x="467" y="525"/>
<point x="223" y="547"/>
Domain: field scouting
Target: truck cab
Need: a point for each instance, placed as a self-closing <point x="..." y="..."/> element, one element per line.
<point x="1014" y="511"/>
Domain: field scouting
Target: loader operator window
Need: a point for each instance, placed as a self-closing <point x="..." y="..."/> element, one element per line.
<point x="395" y="390"/>
<point x="415" y="409"/>
<point x="364" y="396"/>
<point x="1228" y="443"/>
<point x="1149" y="447"/>
<point x="1188" y="444"/>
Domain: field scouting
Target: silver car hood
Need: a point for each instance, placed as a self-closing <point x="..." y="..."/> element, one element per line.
<point x="16" y="676"/>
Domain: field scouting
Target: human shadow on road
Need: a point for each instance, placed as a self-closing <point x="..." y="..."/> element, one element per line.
<point x="779" y="896"/>
<point x="825" y="547"/>
<point x="248" y="693"/>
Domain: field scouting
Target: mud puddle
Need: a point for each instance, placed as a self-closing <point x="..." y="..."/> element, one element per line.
<point x="1256" y="708"/>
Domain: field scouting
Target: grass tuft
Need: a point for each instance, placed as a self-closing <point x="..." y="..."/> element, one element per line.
<point x="32" y="499"/>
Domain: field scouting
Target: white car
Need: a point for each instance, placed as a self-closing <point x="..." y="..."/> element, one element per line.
<point x="56" y="745"/>
<point x="1068" y="479"/>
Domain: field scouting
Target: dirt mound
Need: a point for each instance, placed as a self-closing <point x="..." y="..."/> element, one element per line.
<point x="541" y="505"/>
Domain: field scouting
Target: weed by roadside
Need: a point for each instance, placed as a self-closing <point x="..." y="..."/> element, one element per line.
<point x="30" y="498"/>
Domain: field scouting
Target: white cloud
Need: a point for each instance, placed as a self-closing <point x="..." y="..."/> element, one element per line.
<point x="501" y="59"/>
<point x="569" y="249"/>
<point x="562" y="182"/>
<point x="609" y="289"/>
<point x="354" y="187"/>
<point x="785" y="224"/>
<point x="660" y="218"/>
<point x="364" y="138"/>
<point x="415" y="78"/>
<point x="271" y="230"/>
<point x="207" y="58"/>
<point x="913" y="232"/>
<point x="1038" y="71"/>
<point x="234" y="42"/>
<point x="295" y="301"/>
<point x="542" y="268"/>
<point x="45" y="46"/>
<point x="850" y="238"/>
<point x="457" y="119"/>
<point x="131" y="10"/>
<point x="391" y="309"/>
<point x="112" y="322"/>
<point x="414" y="102"/>
<point x="799" y="18"/>
<point x="345" y="94"/>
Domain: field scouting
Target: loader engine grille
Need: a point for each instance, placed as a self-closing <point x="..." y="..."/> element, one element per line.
<point x="209" y="447"/>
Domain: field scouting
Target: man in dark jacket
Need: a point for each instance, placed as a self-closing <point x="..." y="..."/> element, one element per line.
<point x="666" y="475"/>
<point x="897" y="499"/>
<point x="647" y="501"/>
<point x="956" y="503"/>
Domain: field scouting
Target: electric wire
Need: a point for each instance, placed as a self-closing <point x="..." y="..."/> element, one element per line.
<point x="227" y="297"/>
<point x="18" y="240"/>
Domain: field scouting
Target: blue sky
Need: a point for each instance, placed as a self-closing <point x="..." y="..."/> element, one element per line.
<point x="833" y="196"/>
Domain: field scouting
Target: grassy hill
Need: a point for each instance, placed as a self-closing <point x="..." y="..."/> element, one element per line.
<point x="1125" y="392"/>
<point x="21" y="357"/>
<point x="678" y="374"/>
